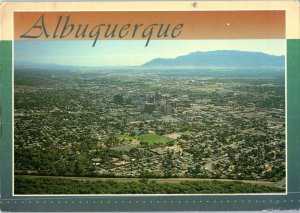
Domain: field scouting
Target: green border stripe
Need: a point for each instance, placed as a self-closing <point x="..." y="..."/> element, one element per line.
<point x="6" y="119"/>
<point x="293" y="114"/>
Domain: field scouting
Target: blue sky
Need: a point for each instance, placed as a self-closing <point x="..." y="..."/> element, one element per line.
<point x="129" y="53"/>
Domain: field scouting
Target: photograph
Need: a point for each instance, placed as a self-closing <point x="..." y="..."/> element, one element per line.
<point x="175" y="117"/>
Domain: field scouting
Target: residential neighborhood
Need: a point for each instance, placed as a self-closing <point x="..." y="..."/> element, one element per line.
<point x="158" y="124"/>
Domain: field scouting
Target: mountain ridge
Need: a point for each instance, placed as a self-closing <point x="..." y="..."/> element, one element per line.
<point x="220" y="58"/>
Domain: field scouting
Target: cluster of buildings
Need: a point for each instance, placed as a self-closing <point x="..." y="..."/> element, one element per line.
<point x="149" y="102"/>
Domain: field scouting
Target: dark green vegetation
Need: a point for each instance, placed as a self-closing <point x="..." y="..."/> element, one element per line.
<point x="144" y="186"/>
<point x="151" y="124"/>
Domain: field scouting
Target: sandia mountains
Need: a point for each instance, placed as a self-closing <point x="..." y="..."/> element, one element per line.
<point x="220" y="58"/>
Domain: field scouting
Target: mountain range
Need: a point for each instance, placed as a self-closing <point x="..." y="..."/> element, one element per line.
<point x="220" y="58"/>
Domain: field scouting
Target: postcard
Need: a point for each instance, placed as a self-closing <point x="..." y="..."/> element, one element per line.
<point x="150" y="106"/>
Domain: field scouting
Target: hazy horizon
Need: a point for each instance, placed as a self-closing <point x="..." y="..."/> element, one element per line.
<point x="128" y="53"/>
